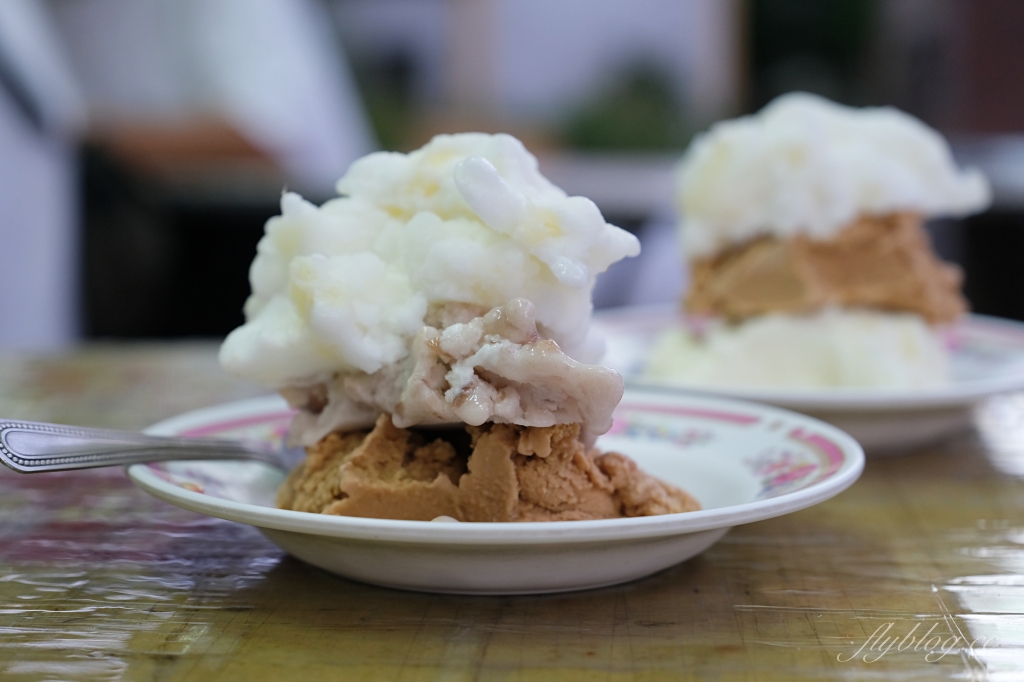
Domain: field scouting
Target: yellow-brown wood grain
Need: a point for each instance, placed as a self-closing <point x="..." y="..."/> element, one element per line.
<point x="100" y="581"/>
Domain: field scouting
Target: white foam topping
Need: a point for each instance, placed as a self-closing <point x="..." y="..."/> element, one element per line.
<point x="806" y="165"/>
<point x="830" y="348"/>
<point x="468" y="219"/>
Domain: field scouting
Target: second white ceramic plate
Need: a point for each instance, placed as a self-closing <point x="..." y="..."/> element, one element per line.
<point x="743" y="463"/>
<point x="987" y="358"/>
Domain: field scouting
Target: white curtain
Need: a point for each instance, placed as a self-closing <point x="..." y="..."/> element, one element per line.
<point x="40" y="113"/>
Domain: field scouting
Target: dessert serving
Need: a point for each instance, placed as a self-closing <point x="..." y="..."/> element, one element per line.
<point x="431" y="328"/>
<point x="810" y="265"/>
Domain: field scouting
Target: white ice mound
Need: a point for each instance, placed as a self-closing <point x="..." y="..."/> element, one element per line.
<point x="806" y="165"/>
<point x="831" y="348"/>
<point x="468" y="219"/>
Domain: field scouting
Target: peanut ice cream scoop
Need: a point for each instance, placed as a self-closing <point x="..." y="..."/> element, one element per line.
<point x="444" y="301"/>
<point x="803" y="225"/>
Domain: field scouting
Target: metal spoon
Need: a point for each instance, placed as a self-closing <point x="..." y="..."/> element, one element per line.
<point x="31" y="447"/>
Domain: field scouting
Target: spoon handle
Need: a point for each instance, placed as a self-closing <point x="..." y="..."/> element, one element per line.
<point x="31" y="447"/>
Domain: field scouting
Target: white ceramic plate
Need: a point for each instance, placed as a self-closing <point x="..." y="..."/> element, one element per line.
<point x="987" y="358"/>
<point x="743" y="462"/>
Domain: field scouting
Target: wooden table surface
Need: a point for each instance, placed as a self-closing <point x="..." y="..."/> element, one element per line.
<point x="99" y="581"/>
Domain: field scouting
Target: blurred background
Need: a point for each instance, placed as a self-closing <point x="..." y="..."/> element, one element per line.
<point x="144" y="143"/>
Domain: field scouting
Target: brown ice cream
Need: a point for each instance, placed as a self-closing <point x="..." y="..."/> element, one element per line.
<point x="883" y="262"/>
<point x="493" y="472"/>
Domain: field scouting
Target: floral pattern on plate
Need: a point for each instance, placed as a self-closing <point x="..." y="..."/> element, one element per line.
<point x="778" y="469"/>
<point x="201" y="477"/>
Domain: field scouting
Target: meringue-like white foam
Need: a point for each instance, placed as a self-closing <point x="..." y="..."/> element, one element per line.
<point x="806" y="165"/>
<point x="468" y="219"/>
<point x="834" y="347"/>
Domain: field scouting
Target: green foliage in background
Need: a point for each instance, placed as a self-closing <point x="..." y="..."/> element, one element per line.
<point x="391" y="118"/>
<point x="812" y="45"/>
<point x="639" y="111"/>
<point x="386" y="87"/>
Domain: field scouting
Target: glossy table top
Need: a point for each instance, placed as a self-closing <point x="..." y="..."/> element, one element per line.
<point x="99" y="581"/>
